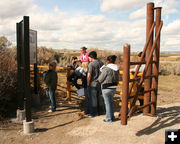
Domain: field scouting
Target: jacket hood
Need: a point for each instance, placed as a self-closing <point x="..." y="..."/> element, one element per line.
<point x="113" y="67"/>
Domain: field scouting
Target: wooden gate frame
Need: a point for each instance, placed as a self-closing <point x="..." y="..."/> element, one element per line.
<point x="149" y="78"/>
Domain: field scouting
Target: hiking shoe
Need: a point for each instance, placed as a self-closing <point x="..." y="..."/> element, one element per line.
<point x="107" y="120"/>
<point x="90" y="115"/>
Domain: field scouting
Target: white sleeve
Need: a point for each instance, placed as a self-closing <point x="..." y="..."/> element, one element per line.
<point x="133" y="69"/>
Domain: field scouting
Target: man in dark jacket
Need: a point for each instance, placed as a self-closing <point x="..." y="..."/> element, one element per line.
<point x="51" y="84"/>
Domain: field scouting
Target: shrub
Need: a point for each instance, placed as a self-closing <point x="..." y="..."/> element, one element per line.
<point x="168" y="68"/>
<point x="8" y="80"/>
<point x="177" y="69"/>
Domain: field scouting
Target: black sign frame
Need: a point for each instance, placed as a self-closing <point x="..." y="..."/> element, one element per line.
<point x="23" y="60"/>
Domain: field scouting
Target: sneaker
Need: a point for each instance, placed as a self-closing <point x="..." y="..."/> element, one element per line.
<point x="50" y="111"/>
<point x="107" y="120"/>
<point x="90" y="115"/>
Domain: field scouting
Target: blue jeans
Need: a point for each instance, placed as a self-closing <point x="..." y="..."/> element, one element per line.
<point x="96" y="101"/>
<point x="51" y="94"/>
<point x="108" y="95"/>
<point x="88" y="100"/>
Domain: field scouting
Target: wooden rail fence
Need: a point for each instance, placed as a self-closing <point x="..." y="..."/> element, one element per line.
<point x="64" y="72"/>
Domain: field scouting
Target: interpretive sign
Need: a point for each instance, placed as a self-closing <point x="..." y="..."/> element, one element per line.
<point x="33" y="46"/>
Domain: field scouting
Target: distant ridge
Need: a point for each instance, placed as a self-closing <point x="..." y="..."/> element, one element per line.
<point x="170" y="52"/>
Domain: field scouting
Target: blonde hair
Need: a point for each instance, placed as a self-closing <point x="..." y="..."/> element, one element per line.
<point x="85" y="66"/>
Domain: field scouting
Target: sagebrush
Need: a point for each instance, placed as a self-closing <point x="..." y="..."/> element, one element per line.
<point x="8" y="80"/>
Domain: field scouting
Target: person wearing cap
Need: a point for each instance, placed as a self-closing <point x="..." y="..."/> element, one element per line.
<point x="94" y="102"/>
<point x="50" y="80"/>
<point x="84" y="55"/>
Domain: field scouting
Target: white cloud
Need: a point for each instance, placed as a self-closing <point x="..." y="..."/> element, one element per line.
<point x="11" y="12"/>
<point x="170" y="6"/>
<point x="122" y="5"/>
<point x="58" y="29"/>
<point x="171" y="36"/>
<point x="172" y="28"/>
<point x="89" y="30"/>
<point x="14" y="8"/>
<point x="138" y="7"/>
<point x="138" y="14"/>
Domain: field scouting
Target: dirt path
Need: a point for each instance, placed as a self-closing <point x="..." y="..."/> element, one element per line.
<point x="69" y="126"/>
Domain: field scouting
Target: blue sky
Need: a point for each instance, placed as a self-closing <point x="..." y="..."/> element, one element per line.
<point x="71" y="6"/>
<point x="102" y="24"/>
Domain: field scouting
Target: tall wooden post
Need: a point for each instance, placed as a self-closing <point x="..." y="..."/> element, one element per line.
<point x="156" y="65"/>
<point x="148" y="82"/>
<point x="68" y="97"/>
<point x="125" y="86"/>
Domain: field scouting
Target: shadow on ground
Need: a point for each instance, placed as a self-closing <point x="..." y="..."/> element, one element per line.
<point x="46" y="129"/>
<point x="166" y="117"/>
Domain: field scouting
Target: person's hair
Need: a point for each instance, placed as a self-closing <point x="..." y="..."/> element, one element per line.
<point x="83" y="48"/>
<point x="53" y="64"/>
<point x="111" y="58"/>
<point x="93" y="54"/>
<point x="74" y="58"/>
<point x="140" y="54"/>
<point x="85" y="66"/>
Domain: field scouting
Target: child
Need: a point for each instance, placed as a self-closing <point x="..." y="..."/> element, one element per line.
<point x="50" y="80"/>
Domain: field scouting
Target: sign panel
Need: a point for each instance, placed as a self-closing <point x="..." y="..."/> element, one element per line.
<point x="33" y="46"/>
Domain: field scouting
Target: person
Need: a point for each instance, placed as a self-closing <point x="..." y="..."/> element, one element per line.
<point x="84" y="84"/>
<point x="77" y="73"/>
<point x="141" y="70"/>
<point x="84" y="75"/>
<point x="142" y="67"/>
<point x="108" y="79"/>
<point x="74" y="63"/>
<point x="84" y="55"/>
<point x="94" y="99"/>
<point x="50" y="80"/>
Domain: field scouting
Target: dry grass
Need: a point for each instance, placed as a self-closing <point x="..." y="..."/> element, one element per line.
<point x="170" y="57"/>
<point x="169" y="82"/>
<point x="168" y="91"/>
<point x="8" y="80"/>
<point x="169" y="68"/>
<point x="63" y="58"/>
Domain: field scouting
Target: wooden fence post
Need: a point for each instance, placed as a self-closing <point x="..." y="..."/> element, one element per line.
<point x="156" y="65"/>
<point x="68" y="97"/>
<point x="125" y="86"/>
<point x="148" y="82"/>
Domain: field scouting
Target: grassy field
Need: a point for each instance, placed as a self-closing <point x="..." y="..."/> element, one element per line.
<point x="169" y="89"/>
<point x="167" y="83"/>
